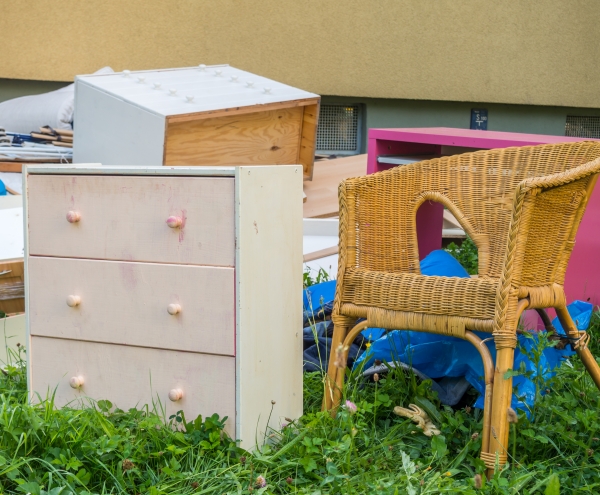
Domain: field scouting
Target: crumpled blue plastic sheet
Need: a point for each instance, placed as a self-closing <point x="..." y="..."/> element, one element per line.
<point x="437" y="356"/>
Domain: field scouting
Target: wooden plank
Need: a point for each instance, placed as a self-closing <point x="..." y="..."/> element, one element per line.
<point x="127" y="303"/>
<point x="321" y="253"/>
<point x="133" y="377"/>
<point x="224" y="112"/>
<point x="308" y="140"/>
<point x="124" y="218"/>
<point x="269" y="310"/>
<point x="12" y="289"/>
<point x="11" y="166"/>
<point x="260" y="138"/>
<point x="322" y="191"/>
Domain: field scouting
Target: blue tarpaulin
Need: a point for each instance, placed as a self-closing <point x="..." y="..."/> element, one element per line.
<point x="438" y="356"/>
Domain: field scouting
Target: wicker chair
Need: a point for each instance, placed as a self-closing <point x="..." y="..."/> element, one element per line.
<point x="521" y="207"/>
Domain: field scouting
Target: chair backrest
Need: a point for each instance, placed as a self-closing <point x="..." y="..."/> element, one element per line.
<point x="378" y="212"/>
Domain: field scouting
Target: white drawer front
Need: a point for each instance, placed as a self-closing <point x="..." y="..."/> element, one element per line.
<point x="133" y="377"/>
<point x="125" y="218"/>
<point x="129" y="303"/>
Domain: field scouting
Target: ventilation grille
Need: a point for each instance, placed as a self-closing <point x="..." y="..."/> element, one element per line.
<point x="584" y="127"/>
<point x="338" y="130"/>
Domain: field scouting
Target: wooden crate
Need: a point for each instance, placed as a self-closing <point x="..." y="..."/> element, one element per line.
<point x="172" y="285"/>
<point x="12" y="292"/>
<point x="205" y="116"/>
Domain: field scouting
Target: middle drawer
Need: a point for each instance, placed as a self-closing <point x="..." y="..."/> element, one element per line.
<point x="180" y="307"/>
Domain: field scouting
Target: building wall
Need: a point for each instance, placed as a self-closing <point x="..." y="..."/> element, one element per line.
<point x="13" y="88"/>
<point x="506" y="51"/>
<point x="386" y="113"/>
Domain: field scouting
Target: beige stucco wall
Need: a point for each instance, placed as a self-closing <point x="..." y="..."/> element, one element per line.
<point x="543" y="52"/>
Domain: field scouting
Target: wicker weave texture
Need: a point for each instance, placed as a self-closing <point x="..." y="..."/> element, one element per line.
<point x="494" y="194"/>
<point x="521" y="207"/>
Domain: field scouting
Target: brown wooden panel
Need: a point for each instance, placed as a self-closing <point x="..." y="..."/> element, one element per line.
<point x="12" y="295"/>
<point x="322" y="191"/>
<point x="11" y="166"/>
<point x="308" y="141"/>
<point x="264" y="138"/>
<point x="133" y="377"/>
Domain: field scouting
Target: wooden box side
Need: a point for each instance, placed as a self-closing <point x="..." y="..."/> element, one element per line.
<point x="12" y="288"/>
<point x="308" y="140"/>
<point x="276" y="134"/>
<point x="269" y="299"/>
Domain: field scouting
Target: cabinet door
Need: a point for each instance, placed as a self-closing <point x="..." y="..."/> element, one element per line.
<point x="187" y="220"/>
<point x="182" y="307"/>
<point x="133" y="377"/>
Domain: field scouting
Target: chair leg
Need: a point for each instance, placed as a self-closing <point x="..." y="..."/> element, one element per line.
<point x="488" y="371"/>
<point x="502" y="394"/>
<point x="584" y="353"/>
<point x="339" y="334"/>
<point x="339" y="358"/>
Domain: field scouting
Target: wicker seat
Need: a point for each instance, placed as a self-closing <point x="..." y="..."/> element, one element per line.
<point x="521" y="207"/>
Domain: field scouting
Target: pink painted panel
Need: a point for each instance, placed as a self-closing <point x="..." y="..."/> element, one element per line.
<point x="583" y="274"/>
<point x="582" y="280"/>
<point x="469" y="138"/>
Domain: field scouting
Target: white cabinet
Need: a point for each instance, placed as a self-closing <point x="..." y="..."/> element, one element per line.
<point x="180" y="286"/>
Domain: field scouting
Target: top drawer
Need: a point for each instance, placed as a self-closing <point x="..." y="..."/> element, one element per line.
<point x="125" y="218"/>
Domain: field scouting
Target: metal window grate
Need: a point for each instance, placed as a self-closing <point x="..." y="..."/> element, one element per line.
<point x="584" y="127"/>
<point x="338" y="129"/>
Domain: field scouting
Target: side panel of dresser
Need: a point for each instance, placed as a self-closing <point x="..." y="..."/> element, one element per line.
<point x="269" y="298"/>
<point x="133" y="377"/>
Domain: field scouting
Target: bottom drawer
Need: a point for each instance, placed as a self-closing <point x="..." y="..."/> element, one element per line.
<point x="133" y="377"/>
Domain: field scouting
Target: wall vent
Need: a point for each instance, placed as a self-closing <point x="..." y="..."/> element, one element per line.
<point x="339" y="130"/>
<point x="583" y="127"/>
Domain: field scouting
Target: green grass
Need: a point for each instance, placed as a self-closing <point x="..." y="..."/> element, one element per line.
<point x="99" y="449"/>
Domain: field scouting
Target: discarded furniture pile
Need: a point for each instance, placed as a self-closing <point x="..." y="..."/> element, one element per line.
<point x="164" y="265"/>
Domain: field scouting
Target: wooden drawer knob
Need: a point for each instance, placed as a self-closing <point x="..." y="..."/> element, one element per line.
<point x="174" y="222"/>
<point x="76" y="382"/>
<point x="174" y="309"/>
<point x="175" y="394"/>
<point x="73" y="301"/>
<point x="73" y="216"/>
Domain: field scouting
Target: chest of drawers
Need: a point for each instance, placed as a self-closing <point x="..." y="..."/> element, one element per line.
<point x="177" y="288"/>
